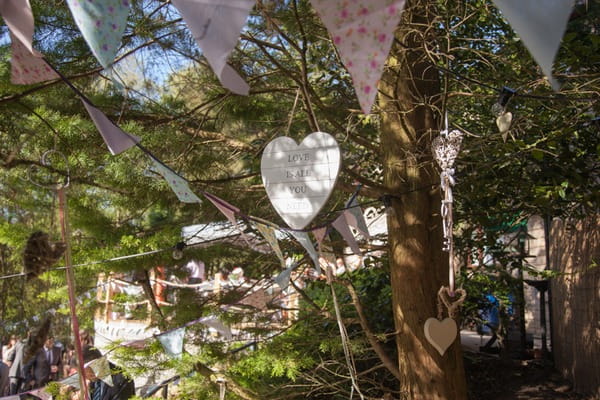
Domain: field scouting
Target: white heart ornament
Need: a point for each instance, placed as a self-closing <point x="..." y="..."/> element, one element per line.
<point x="441" y="334"/>
<point x="300" y="178"/>
<point x="503" y="122"/>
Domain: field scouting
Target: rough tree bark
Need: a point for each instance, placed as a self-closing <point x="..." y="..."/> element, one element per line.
<point x="410" y="100"/>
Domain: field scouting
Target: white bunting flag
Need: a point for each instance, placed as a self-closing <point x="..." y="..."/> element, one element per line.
<point x="363" y="32"/>
<point x="541" y="25"/>
<point x="283" y="278"/>
<point x="116" y="140"/>
<point x="18" y="16"/>
<point x="101" y="369"/>
<point x="216" y="26"/>
<point x="305" y="241"/>
<point x="217" y="325"/>
<point x="341" y="225"/>
<point x="172" y="342"/>
<point x="355" y="218"/>
<point x="179" y="185"/>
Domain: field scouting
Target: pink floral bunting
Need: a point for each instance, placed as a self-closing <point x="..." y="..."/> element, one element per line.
<point x="27" y="68"/>
<point x="363" y="32"/>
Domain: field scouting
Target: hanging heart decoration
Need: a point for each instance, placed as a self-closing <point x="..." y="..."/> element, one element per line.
<point x="441" y="334"/>
<point x="445" y="148"/>
<point x="300" y="178"/>
<point x="503" y="122"/>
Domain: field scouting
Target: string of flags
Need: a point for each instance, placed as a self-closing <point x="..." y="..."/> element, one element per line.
<point x="362" y="32"/>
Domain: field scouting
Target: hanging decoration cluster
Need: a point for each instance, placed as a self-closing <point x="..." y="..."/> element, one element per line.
<point x="441" y="332"/>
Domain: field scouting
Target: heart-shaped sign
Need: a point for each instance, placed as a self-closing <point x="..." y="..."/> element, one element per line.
<point x="446" y="147"/>
<point x="441" y="334"/>
<point x="300" y="178"/>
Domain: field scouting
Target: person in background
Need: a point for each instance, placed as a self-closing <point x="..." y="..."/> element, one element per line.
<point x="16" y="374"/>
<point x="197" y="271"/>
<point x="3" y="379"/>
<point x="69" y="361"/>
<point x="47" y="363"/>
<point x="8" y="348"/>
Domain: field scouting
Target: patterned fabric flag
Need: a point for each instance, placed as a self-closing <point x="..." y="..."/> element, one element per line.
<point x="102" y="23"/>
<point x="116" y="140"/>
<point x="178" y="184"/>
<point x="172" y="342"/>
<point x="341" y="225"/>
<point x="27" y="68"/>
<point x="541" y="25"/>
<point x="363" y="32"/>
<point x="305" y="241"/>
<point x="18" y="16"/>
<point x="355" y="218"/>
<point x="216" y="26"/>
<point x="269" y="235"/>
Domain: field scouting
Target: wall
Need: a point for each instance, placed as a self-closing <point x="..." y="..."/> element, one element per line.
<point x="575" y="253"/>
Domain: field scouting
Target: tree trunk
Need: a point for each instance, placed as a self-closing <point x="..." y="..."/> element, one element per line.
<point x="410" y="99"/>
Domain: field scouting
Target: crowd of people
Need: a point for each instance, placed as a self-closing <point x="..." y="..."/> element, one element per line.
<point x="21" y="372"/>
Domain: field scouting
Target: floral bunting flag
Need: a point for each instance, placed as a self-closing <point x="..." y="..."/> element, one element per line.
<point x="18" y="16"/>
<point x="363" y="32"/>
<point x="102" y="23"/>
<point x="269" y="235"/>
<point x="41" y="394"/>
<point x="216" y="26"/>
<point x="355" y="218"/>
<point x="227" y="209"/>
<point x="116" y="140"/>
<point x="341" y="225"/>
<point x="305" y="241"/>
<point x="178" y="184"/>
<point x="172" y="342"/>
<point x="27" y="68"/>
<point x="541" y="25"/>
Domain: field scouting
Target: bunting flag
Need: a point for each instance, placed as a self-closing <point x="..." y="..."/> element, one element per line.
<point x="101" y="369"/>
<point x="102" y="23"/>
<point x="355" y="218"/>
<point x="541" y="25"/>
<point x="283" y="278"/>
<point x="178" y="184"/>
<point x="15" y="397"/>
<point x="269" y="234"/>
<point x="305" y="241"/>
<point x="227" y="209"/>
<point x="320" y="234"/>
<point x="216" y="324"/>
<point x="341" y="225"/>
<point x="216" y="26"/>
<point x="363" y="32"/>
<point x="172" y="342"/>
<point x="116" y="140"/>
<point x="27" y="68"/>
<point x="18" y="16"/>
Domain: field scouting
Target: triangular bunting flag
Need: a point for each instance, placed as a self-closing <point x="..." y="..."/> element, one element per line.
<point x="173" y="342"/>
<point x="18" y="16"/>
<point x="102" y="23"/>
<point x="27" y="68"/>
<point x="355" y="218"/>
<point x="320" y="235"/>
<point x="216" y="26"/>
<point x="541" y="25"/>
<point x="101" y="369"/>
<point x="15" y="397"/>
<point x="178" y="184"/>
<point x="363" y="32"/>
<point x="283" y="279"/>
<point x="269" y="235"/>
<point x="227" y="209"/>
<point x="341" y="225"/>
<point x="116" y="140"/>
<point x="304" y="240"/>
<point x="72" y="380"/>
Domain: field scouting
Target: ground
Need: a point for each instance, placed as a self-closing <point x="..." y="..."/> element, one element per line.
<point x="491" y="378"/>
